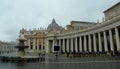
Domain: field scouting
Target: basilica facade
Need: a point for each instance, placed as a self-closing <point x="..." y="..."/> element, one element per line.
<point x="79" y="36"/>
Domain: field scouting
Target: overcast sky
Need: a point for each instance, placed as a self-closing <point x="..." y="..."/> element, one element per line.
<point x="17" y="14"/>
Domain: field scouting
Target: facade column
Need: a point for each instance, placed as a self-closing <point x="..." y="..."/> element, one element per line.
<point x="117" y="38"/>
<point x="71" y="45"/>
<point x="85" y="44"/>
<point x="53" y="43"/>
<point x="29" y="43"/>
<point x="111" y="40"/>
<point x="76" y="45"/>
<point x="37" y="44"/>
<point x="105" y="42"/>
<point x="100" y="42"/>
<point x="94" y="44"/>
<point x="34" y="45"/>
<point x="43" y="44"/>
<point x="90" y="47"/>
<point x="67" y="44"/>
<point x="63" y="46"/>
<point x="80" y="44"/>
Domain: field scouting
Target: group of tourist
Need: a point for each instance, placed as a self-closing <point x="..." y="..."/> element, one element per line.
<point x="92" y="54"/>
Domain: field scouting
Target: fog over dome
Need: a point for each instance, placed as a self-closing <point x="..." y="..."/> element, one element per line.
<point x="53" y="25"/>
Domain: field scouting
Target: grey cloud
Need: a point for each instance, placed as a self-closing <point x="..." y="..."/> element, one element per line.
<point x="17" y="14"/>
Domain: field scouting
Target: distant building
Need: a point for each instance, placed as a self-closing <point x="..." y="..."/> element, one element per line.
<point x="79" y="25"/>
<point x="7" y="46"/>
<point x="112" y="11"/>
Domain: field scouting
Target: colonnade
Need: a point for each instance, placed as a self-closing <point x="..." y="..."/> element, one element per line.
<point x="6" y="48"/>
<point x="103" y="41"/>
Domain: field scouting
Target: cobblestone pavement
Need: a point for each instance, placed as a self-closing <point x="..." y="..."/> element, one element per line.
<point x="63" y="62"/>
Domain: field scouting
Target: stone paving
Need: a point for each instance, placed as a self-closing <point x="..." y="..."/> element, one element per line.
<point x="63" y="62"/>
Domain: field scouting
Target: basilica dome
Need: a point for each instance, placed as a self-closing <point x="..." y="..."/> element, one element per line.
<point x="53" y="25"/>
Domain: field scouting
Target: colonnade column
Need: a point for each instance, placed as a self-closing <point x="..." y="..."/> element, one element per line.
<point x="63" y="46"/>
<point x="60" y="44"/>
<point x="85" y="45"/>
<point x="100" y="42"/>
<point x="105" y="42"/>
<point x="76" y="45"/>
<point x="47" y="46"/>
<point x="90" y="47"/>
<point x="71" y="45"/>
<point x="94" y="42"/>
<point x="111" y="40"/>
<point x="80" y="44"/>
<point x="117" y="38"/>
<point x="68" y="45"/>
